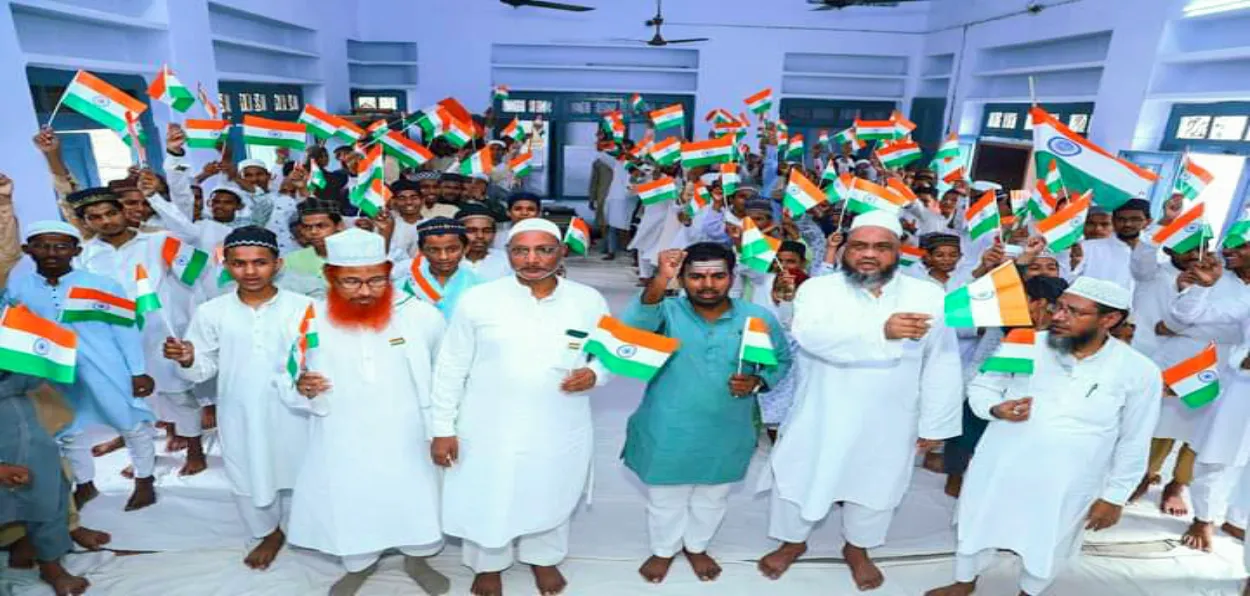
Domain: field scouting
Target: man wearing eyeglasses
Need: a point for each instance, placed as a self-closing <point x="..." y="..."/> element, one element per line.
<point x="510" y="419"/>
<point x="366" y="485"/>
<point x="1065" y="445"/>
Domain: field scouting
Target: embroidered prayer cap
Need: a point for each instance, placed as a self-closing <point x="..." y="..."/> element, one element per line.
<point x="1104" y="292"/>
<point x="91" y="196"/>
<point x="355" y="247"/>
<point x="439" y="226"/>
<point x="759" y="205"/>
<point x="426" y="175"/>
<point x="51" y="226"/>
<point x="525" y="196"/>
<point x="314" y="206"/>
<point x="452" y="177"/>
<point x="227" y="187"/>
<point x="252" y="163"/>
<point x="251" y="236"/>
<point x="933" y="240"/>
<point x="401" y="185"/>
<point x="534" y="224"/>
<point x="474" y="210"/>
<point x="878" y="219"/>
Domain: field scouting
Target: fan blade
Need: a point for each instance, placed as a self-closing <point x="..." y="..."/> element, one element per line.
<point x="691" y="40"/>
<point x="559" y="6"/>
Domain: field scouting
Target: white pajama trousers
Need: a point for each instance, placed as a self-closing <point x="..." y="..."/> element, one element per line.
<point x="543" y="549"/>
<point x="182" y="409"/>
<point x="361" y="562"/>
<point x="862" y="527"/>
<point x="1212" y="491"/>
<point x="77" y="449"/>
<point x="684" y="516"/>
<point x="968" y="567"/>
<point x="262" y="521"/>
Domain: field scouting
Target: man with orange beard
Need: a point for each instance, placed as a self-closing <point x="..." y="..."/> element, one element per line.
<point x="366" y="485"/>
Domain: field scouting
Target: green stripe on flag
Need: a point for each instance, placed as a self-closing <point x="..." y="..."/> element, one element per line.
<point x="758" y="355"/>
<point x="1202" y="396"/>
<point x="195" y="266"/>
<point x="1018" y="366"/>
<point x="1066" y="241"/>
<point x="618" y="365"/>
<point x="98" y="316"/>
<point x="1193" y="241"/>
<point x="958" y="309"/>
<point x="1077" y="181"/>
<point x="94" y="112"/>
<point x="35" y="366"/>
<point x="985" y="226"/>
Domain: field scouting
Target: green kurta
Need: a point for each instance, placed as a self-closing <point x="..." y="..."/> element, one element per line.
<point x="689" y="429"/>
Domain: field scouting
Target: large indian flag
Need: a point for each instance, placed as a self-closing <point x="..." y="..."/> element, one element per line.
<point x="205" y="134"/>
<point x="168" y="89"/>
<point x="577" y="236"/>
<point x="1192" y="179"/>
<point x="982" y="216"/>
<point x="89" y="304"/>
<point x="757" y="345"/>
<point x="627" y="351"/>
<point x="32" y="345"/>
<point x="318" y="123"/>
<point x="801" y="194"/>
<point x="1067" y="226"/>
<point x="1085" y="166"/>
<point x="1195" y="380"/>
<point x="1189" y="231"/>
<point x="101" y="102"/>
<point x="1015" y="355"/>
<point x="706" y="153"/>
<point x="657" y="191"/>
<point x="673" y="116"/>
<point x="996" y="299"/>
<point x="267" y="132"/>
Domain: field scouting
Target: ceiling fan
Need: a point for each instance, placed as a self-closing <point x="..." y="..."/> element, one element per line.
<point x="545" y="4"/>
<point x="840" y="4"/>
<point x="657" y="21"/>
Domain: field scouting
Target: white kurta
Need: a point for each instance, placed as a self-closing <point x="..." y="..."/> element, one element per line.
<point x="525" y="445"/>
<point x="404" y="239"/>
<point x="1107" y="258"/>
<point x="493" y="266"/>
<point x="1152" y="301"/>
<point x="863" y="400"/>
<point x="367" y="483"/>
<point x="1030" y="484"/>
<point x="262" y="441"/>
<point x="618" y="205"/>
<point x="1224" y="436"/>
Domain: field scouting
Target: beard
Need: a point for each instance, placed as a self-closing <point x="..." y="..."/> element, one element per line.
<point x="344" y="313"/>
<point x="1128" y="236"/>
<point x="868" y="280"/>
<point x="1066" y="345"/>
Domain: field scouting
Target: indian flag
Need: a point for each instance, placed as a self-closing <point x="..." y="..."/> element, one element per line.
<point x="1067" y="226"/>
<point x="629" y="352"/>
<point x="266" y="132"/>
<point x="521" y="165"/>
<point x="902" y="191"/>
<point x="1041" y="202"/>
<point x="1015" y="355"/>
<point x="757" y="345"/>
<point x="801" y="194"/>
<point x="371" y="199"/>
<point x="902" y="126"/>
<point x="501" y="92"/>
<point x="515" y="131"/>
<point x="1053" y="181"/>
<point x="101" y="102"/>
<point x="418" y="285"/>
<point x="847" y="137"/>
<point x="168" y="89"/>
<point x="348" y="132"/>
<point x="1086" y="166"/>
<point x="635" y="103"/>
<point x="377" y="130"/>
<point x="874" y="130"/>
<point x="657" y="191"/>
<point x="205" y="134"/>
<point x="318" y="123"/>
<point x="673" y="116"/>
<point x="706" y="153"/>
<point x="146" y="299"/>
<point x="867" y="196"/>
<point x="842" y="189"/>
<point x="795" y="149"/>
<point x="479" y="163"/>
<point x="409" y="153"/>
<point x="898" y="154"/>
<point x="307" y="339"/>
<point x="432" y="121"/>
<point x="701" y="198"/>
<point x="996" y="299"/>
<point x="32" y="345"/>
<point x="316" y="177"/>
<point x="89" y="304"/>
<point x="1238" y="233"/>
<point x="949" y="148"/>
<point x="1189" y="231"/>
<point x="982" y="217"/>
<point x="1192" y="179"/>
<point x="910" y="256"/>
<point x="822" y="138"/>
<point x="729" y="178"/>
<point x="459" y="133"/>
<point x="761" y="102"/>
<point x="210" y="108"/>
<point x="577" y="236"/>
<point x="718" y="116"/>
<point x="184" y="261"/>
<point x="667" y="152"/>
<point x="1195" y="380"/>
<point x="756" y="244"/>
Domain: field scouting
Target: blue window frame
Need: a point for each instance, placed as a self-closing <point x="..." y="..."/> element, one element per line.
<point x="1011" y="120"/>
<point x="1222" y="127"/>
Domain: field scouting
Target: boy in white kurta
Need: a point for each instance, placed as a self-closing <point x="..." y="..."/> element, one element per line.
<point x="511" y="419"/>
<point x="1064" y="447"/>
<point x="367" y="484"/>
<point x="243" y="339"/>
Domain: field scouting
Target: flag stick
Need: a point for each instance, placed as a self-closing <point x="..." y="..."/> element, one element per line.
<point x="55" y="109"/>
<point x="168" y="326"/>
<point x="1032" y="91"/>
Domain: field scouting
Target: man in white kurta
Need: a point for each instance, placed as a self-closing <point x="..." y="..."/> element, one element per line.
<point x="1064" y="447"/>
<point x="243" y="339"/>
<point x="367" y="483"/>
<point x="511" y="417"/>
<point x="879" y="377"/>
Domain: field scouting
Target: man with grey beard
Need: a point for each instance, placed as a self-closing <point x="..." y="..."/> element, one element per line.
<point x="1065" y="445"/>
<point x="880" y="381"/>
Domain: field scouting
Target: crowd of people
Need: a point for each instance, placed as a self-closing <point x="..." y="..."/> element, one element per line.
<point x="379" y="383"/>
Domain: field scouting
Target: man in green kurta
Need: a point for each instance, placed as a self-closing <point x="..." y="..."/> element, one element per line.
<point x="694" y="433"/>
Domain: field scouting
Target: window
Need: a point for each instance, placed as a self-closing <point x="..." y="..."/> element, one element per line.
<point x="388" y="103"/>
<point x="366" y="102"/>
<point x="1194" y="127"/>
<point x="1078" y="122"/>
<point x="1009" y="120"/>
<point x="995" y="121"/>
<point x="1216" y="128"/>
<point x="1227" y="128"/>
<point x="514" y="106"/>
<point x="540" y="106"/>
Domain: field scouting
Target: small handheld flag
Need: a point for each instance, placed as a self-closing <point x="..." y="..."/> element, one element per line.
<point x="1015" y="355"/>
<point x="146" y="300"/>
<point x="308" y="339"/>
<point x="627" y="351"/>
<point x="996" y="299"/>
<point x="1195" y="380"/>
<point x="577" y="236"/>
<point x="89" y="304"/>
<point x="166" y="88"/>
<point x="32" y="345"/>
<point x="757" y="345"/>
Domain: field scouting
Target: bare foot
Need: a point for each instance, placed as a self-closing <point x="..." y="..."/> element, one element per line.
<point x="954" y="485"/>
<point x="549" y="580"/>
<point x="865" y="573"/>
<point x="84" y="493"/>
<point x="1143" y="486"/>
<point x="196" y="462"/>
<point x="175" y="443"/>
<point x="705" y="567"/>
<point x="774" y="564"/>
<point x="143" y="495"/>
<point x="1199" y="536"/>
<point x="1173" y="502"/>
<point x="955" y="589"/>
<point x="90" y="539"/>
<point x="22" y="554"/>
<point x="128" y="472"/>
<point x="263" y="555"/>
<point x="63" y="584"/>
<point x="655" y="569"/>
<point x="208" y="417"/>
<point x="1234" y="531"/>
<point x="108" y="447"/>
<point x="933" y="462"/>
<point x="487" y="584"/>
